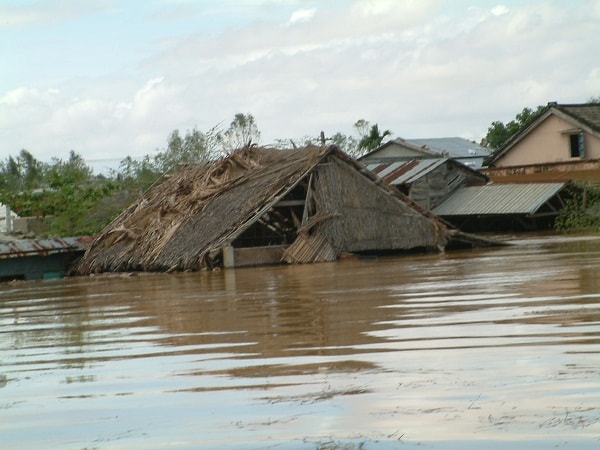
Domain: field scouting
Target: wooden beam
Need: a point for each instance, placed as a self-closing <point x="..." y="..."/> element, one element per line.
<point x="284" y="203"/>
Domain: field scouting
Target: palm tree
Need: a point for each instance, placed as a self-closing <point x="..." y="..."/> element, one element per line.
<point x="373" y="139"/>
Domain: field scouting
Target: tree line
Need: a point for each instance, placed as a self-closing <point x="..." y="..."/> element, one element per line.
<point x="75" y="201"/>
<point x="78" y="202"/>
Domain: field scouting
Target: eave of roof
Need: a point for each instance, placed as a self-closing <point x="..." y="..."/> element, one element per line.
<point x="40" y="247"/>
<point x="403" y="143"/>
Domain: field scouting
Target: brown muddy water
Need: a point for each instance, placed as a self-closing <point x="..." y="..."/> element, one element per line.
<point x="493" y="348"/>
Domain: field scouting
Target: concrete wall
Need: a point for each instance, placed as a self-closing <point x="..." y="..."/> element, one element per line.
<point x="548" y="143"/>
<point x="27" y="225"/>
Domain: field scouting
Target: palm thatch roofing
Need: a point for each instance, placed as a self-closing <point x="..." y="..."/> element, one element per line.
<point x="314" y="202"/>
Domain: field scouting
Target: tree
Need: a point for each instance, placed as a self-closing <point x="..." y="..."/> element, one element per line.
<point x="594" y="100"/>
<point x="348" y="144"/>
<point x="499" y="133"/>
<point x="345" y="142"/>
<point x="242" y="132"/>
<point x="195" y="146"/>
<point x="373" y="139"/>
<point x="65" y="192"/>
<point x="362" y="127"/>
<point x="72" y="172"/>
<point x="137" y="174"/>
<point x="21" y="173"/>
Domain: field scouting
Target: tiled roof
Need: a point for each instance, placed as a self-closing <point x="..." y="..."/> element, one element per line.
<point x="586" y="113"/>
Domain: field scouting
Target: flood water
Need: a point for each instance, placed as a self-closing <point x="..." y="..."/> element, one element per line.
<point x="487" y="348"/>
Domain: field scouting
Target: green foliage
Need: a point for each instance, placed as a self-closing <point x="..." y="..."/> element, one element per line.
<point x="368" y="135"/>
<point x="74" y="201"/>
<point x="73" y="172"/>
<point x="372" y="139"/>
<point x="242" y="132"/>
<point x="21" y="173"/>
<point x="582" y="210"/>
<point x="195" y="146"/>
<point x="62" y="191"/>
<point x="137" y="174"/>
<point x="73" y="205"/>
<point x="348" y="144"/>
<point x="499" y="133"/>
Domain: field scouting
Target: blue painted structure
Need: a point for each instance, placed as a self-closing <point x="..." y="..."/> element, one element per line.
<point x="34" y="259"/>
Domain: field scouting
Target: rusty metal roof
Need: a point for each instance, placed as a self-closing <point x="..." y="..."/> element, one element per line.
<point x="405" y="172"/>
<point x="43" y="247"/>
<point x="494" y="199"/>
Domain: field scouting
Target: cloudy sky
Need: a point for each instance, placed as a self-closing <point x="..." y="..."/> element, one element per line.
<point x="110" y="78"/>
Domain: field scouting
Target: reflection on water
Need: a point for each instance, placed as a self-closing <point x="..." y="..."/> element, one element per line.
<point x="496" y="345"/>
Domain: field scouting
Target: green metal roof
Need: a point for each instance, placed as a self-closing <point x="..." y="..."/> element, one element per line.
<point x="495" y="199"/>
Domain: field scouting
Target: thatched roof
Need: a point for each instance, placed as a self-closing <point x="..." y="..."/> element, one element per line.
<point x="316" y="202"/>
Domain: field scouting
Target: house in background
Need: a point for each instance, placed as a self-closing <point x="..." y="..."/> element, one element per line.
<point x="428" y="182"/>
<point x="29" y="259"/>
<point x="462" y="150"/>
<point x="399" y="150"/>
<point x="563" y="143"/>
<point x="467" y="152"/>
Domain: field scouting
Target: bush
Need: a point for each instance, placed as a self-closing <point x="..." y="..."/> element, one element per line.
<point x="582" y="210"/>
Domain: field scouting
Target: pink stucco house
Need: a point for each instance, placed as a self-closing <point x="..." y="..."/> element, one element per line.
<point x="562" y="143"/>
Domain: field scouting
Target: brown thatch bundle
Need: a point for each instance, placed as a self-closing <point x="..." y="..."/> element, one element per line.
<point x="182" y="223"/>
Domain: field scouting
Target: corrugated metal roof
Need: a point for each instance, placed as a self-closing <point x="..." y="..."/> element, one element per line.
<point x="405" y="172"/>
<point x="498" y="199"/>
<point x="42" y="247"/>
<point x="455" y="146"/>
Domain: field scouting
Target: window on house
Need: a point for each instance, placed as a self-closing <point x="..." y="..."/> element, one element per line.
<point x="576" y="145"/>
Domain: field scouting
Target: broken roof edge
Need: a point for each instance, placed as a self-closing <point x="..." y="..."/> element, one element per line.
<point x="269" y="204"/>
<point x="139" y="245"/>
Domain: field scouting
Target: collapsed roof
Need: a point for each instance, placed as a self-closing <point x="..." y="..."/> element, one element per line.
<point x="315" y="203"/>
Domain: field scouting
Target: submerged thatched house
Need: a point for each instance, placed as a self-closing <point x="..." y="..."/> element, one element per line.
<point x="260" y="206"/>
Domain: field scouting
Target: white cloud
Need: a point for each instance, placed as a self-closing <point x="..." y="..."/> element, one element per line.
<point x="500" y="10"/>
<point x="421" y="69"/>
<point x="374" y="7"/>
<point x="33" y="13"/>
<point x="302" y="15"/>
<point x="24" y="96"/>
